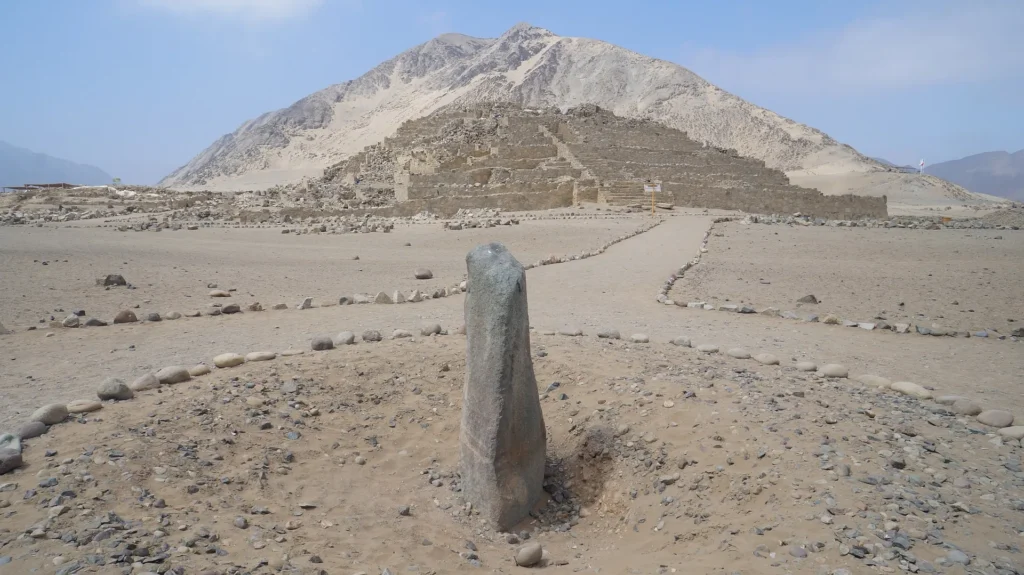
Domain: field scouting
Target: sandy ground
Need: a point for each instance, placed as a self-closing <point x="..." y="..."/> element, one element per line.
<point x="660" y="459"/>
<point x="761" y="452"/>
<point x="962" y="279"/>
<point x="171" y="270"/>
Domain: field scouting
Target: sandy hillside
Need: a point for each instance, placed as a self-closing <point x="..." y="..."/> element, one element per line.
<point x="535" y="68"/>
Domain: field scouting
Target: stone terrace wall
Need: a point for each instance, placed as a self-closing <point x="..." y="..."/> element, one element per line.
<point x="809" y="202"/>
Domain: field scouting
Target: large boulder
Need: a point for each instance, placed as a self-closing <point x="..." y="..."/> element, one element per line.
<point x="502" y="439"/>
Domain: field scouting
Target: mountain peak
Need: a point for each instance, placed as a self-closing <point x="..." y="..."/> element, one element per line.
<point x="526" y="30"/>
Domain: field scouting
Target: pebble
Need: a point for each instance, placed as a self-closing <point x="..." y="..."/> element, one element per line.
<point x="219" y="293"/>
<point x="173" y="374"/>
<point x="1015" y="432"/>
<point x="153" y="316"/>
<point x="766" y="359"/>
<point x="231" y="308"/>
<point x="807" y="366"/>
<point x="875" y="381"/>
<point x="966" y="407"/>
<point x="84" y="405"/>
<point x="32" y="430"/>
<point x="571" y="331"/>
<point x="529" y="555"/>
<point x="322" y="343"/>
<point x="260" y="356"/>
<point x="609" y="334"/>
<point x="996" y="418"/>
<point x="114" y="389"/>
<point x="423" y="274"/>
<point x="958" y="557"/>
<point x="125" y="316"/>
<point x="911" y="389"/>
<point x="834" y="370"/>
<point x="372" y="335"/>
<point x="199" y="369"/>
<point x="50" y="414"/>
<point x="145" y="383"/>
<point x="429" y="329"/>
<point x="172" y="315"/>
<point x="707" y="348"/>
<point x="639" y="338"/>
<point x="738" y="353"/>
<point x="345" y="338"/>
<point x="401" y="334"/>
<point x="226" y="360"/>
<point x="71" y="321"/>
<point x="241" y="522"/>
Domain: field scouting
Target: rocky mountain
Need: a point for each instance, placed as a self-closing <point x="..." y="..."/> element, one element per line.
<point x="996" y="173"/>
<point x="533" y="67"/>
<point x="19" y="166"/>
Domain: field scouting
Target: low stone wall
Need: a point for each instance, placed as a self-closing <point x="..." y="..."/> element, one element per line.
<point x="810" y="202"/>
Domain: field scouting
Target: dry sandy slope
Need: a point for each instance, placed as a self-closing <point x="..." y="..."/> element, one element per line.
<point x="961" y="279"/>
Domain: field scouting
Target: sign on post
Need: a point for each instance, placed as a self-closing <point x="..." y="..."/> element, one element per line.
<point x="653" y="189"/>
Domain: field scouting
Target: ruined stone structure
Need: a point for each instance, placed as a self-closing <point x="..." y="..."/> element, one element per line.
<point x="504" y="156"/>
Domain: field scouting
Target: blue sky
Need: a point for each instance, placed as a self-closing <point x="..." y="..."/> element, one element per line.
<point x="137" y="87"/>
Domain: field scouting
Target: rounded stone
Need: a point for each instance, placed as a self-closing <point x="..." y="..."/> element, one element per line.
<point x="529" y="555"/>
<point x="834" y="370"/>
<point x="260" y="356"/>
<point x="71" y="321"/>
<point x="428" y="329"/>
<point x="965" y="406"/>
<point x="199" y="369"/>
<point x="423" y="274"/>
<point x="145" y="383"/>
<point x="996" y="418"/>
<point x="112" y="388"/>
<point x="766" y="359"/>
<point x="681" y="341"/>
<point x="400" y="334"/>
<point x="231" y="308"/>
<point x="1014" y="432"/>
<point x="807" y="366"/>
<point x="571" y="331"/>
<point x="125" y="316"/>
<point x="173" y="374"/>
<point x="33" y="429"/>
<point x="947" y="399"/>
<point x="172" y="315"/>
<point x="738" y="353"/>
<point x="372" y="335"/>
<point x="50" y="414"/>
<point x="609" y="334"/>
<point x="875" y="381"/>
<point x="707" y="348"/>
<point x="911" y="389"/>
<point x="225" y="360"/>
<point x="84" y="406"/>
<point x="639" y="338"/>
<point x="219" y="293"/>
<point x="345" y="338"/>
<point x="322" y="343"/>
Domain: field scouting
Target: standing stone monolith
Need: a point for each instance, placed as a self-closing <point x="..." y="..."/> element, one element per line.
<point x="502" y="442"/>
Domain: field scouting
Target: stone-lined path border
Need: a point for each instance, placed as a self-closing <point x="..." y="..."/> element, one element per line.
<point x="829" y="319"/>
<point x="113" y="390"/>
<point x="381" y="297"/>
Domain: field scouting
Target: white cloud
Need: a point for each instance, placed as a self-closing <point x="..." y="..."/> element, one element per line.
<point x="925" y="44"/>
<point x="246" y="9"/>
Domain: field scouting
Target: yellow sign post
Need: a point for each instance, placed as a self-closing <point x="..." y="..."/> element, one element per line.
<point x="652" y="188"/>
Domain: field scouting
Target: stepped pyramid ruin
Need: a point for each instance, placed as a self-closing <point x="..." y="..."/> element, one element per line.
<point x="504" y="156"/>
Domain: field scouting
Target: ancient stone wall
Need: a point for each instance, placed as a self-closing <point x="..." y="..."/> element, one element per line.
<point x="500" y="155"/>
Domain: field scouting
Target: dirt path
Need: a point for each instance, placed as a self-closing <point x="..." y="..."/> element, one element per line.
<point x="614" y="290"/>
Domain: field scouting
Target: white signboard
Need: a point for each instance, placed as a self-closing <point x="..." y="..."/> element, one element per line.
<point x="652" y="188"/>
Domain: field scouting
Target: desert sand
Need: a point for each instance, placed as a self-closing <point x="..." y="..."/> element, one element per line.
<point x="662" y="458"/>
